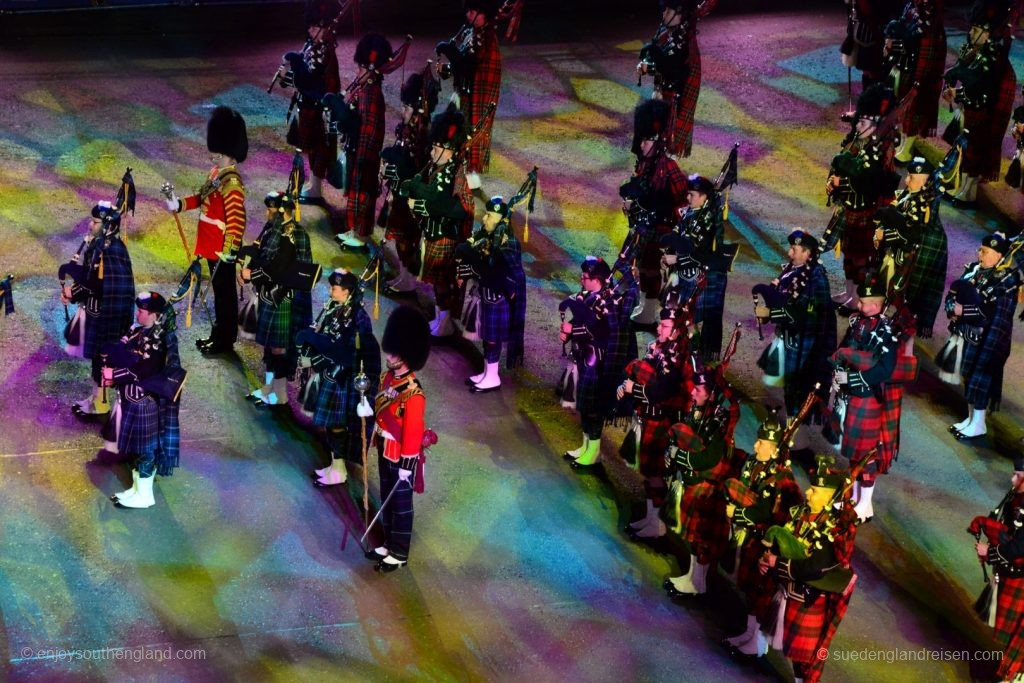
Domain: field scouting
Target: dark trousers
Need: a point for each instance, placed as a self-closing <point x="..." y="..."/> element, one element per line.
<point x="225" y="303"/>
<point x="397" y="515"/>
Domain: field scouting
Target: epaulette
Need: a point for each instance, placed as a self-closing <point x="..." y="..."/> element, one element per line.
<point x="229" y="178"/>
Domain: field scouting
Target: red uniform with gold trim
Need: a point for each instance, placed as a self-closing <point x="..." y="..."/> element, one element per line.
<point x="222" y="213"/>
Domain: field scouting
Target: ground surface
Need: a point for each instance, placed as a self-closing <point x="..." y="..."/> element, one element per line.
<point x="518" y="568"/>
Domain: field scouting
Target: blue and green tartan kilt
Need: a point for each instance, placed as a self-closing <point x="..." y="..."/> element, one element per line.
<point x="140" y="427"/>
<point x="711" y="301"/>
<point x="275" y="326"/>
<point x="588" y="391"/>
<point x="334" y="402"/>
<point x="494" y="320"/>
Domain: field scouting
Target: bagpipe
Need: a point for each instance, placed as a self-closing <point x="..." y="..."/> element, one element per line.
<point x="7" y="294"/>
<point x="460" y="50"/>
<point x="418" y="186"/>
<point x="667" y="55"/>
<point x="793" y="543"/>
<point x="317" y="49"/>
<point x="993" y="528"/>
<point x="310" y="361"/>
<point x="341" y="113"/>
<point x="723" y="255"/>
<point x="165" y="384"/>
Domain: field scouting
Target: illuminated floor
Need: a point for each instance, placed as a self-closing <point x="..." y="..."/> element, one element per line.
<point x="518" y="568"/>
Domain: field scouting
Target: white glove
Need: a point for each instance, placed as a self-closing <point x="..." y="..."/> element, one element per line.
<point x="226" y="258"/>
<point x="418" y="207"/>
<point x="173" y="204"/>
<point x="364" y="409"/>
<point x="404" y="475"/>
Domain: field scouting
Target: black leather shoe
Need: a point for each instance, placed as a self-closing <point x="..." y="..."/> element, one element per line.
<point x="960" y="436"/>
<point x="373" y="555"/>
<point x="214" y="349"/>
<point x="469" y="382"/>
<point x="201" y="343"/>
<point x="312" y="201"/>
<point x="388" y="567"/>
<point x="260" y="404"/>
<point x="678" y="594"/>
<point x="477" y="390"/>
<point x="578" y="466"/>
<point x="251" y="397"/>
<point x="77" y="411"/>
<point x="320" y="485"/>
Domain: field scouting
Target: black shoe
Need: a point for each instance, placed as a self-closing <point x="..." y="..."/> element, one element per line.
<point x="390" y="291"/>
<point x="201" y="343"/>
<point x="676" y="594"/>
<point x="388" y="567"/>
<point x="578" y="466"/>
<point x="215" y="349"/>
<point x="477" y="390"/>
<point x="373" y="555"/>
<point x="260" y="404"/>
<point x="470" y="382"/>
<point x="251" y="397"/>
<point x="960" y="436"/>
<point x="312" y="201"/>
<point x="320" y="485"/>
<point x="77" y="411"/>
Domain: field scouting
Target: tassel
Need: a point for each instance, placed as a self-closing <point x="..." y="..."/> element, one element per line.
<point x="101" y="266"/>
<point x="376" y="292"/>
<point x="188" y="306"/>
<point x="725" y="207"/>
<point x="837" y="251"/>
<point x="526" y="229"/>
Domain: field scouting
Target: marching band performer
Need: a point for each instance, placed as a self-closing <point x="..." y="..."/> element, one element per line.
<point x="364" y="140"/>
<point x="673" y="59"/>
<point x="340" y="348"/>
<point x="862" y="47"/>
<point x="861" y="180"/>
<point x="1000" y="545"/>
<point x="656" y="385"/>
<point x="700" y="459"/>
<point x="474" y="63"/>
<point x="797" y="302"/>
<point x="980" y="305"/>
<point x="761" y="495"/>
<point x="399" y="411"/>
<point x="280" y="314"/>
<point x="600" y="338"/>
<point x="262" y="248"/>
<point x="915" y="52"/>
<point x="983" y="84"/>
<point x="145" y="422"/>
<point x="440" y="199"/>
<point x="814" y="578"/>
<point x="652" y="199"/>
<point x="314" y="74"/>
<point x="495" y="258"/>
<point x="221" y="201"/>
<point x="864" y="362"/>
<point x="104" y="289"/>
<point x="400" y="162"/>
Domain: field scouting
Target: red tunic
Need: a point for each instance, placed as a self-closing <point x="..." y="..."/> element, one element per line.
<point x="399" y="415"/>
<point x="222" y="218"/>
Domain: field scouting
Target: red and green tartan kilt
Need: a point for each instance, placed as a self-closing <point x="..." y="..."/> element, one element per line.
<point x="891" y="410"/>
<point x="858" y="245"/>
<point x="653" y="443"/>
<point x="758" y="588"/>
<point x="702" y="517"/>
<point x="405" y="230"/>
<point x="685" y="106"/>
<point x="862" y="427"/>
<point x="361" y="195"/>
<point x="313" y="139"/>
<point x="922" y="116"/>
<point x="1008" y="627"/>
<point x="988" y="127"/>
<point x="439" y="270"/>
<point x="804" y="625"/>
<point x="275" y="324"/>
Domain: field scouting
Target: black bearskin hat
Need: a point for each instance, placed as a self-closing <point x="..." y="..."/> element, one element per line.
<point x="407" y="335"/>
<point x="373" y="50"/>
<point x="990" y="15"/>
<point x="875" y="102"/>
<point x="487" y="7"/>
<point x="151" y="301"/>
<point x="225" y="134"/>
<point x="320" y="12"/>
<point x="413" y="93"/>
<point x="448" y="128"/>
<point x="650" y="120"/>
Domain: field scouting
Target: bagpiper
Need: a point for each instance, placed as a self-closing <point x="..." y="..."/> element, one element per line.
<point x="861" y="180"/>
<point x="339" y="349"/>
<point x="656" y="385"/>
<point x="673" y="59"/>
<point x="810" y="562"/>
<point x="364" y="139"/>
<point x="494" y="258"/>
<point x="601" y="343"/>
<point x="700" y="459"/>
<point x="104" y="289"/>
<point x="399" y="416"/>
<point x="863" y="363"/>
<point x="980" y="305"/>
<point x="221" y="201"/>
<point x="281" y="314"/>
<point x="1000" y="546"/>
<point x="797" y="302"/>
<point x="249" y="306"/>
<point x="146" y="369"/>
<point x="862" y="47"/>
<point x="983" y="85"/>
<point x="914" y="51"/>
<point x="652" y="199"/>
<point x="400" y="162"/>
<point x="761" y="495"/>
<point x="314" y="73"/>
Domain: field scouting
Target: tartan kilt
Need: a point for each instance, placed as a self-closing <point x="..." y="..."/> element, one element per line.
<point x="805" y="364"/>
<point x="686" y="105"/>
<point x="275" y="325"/>
<point x="1008" y="626"/>
<point x="757" y="588"/>
<point x="891" y="410"/>
<point x="922" y="116"/>
<point x="862" y="427"/>
<point x="333" y="403"/>
<point x="702" y="517"/>
<point x="405" y="230"/>
<point x="313" y="140"/>
<point x="858" y="245"/>
<point x="361" y="192"/>
<point x="588" y="390"/>
<point x="804" y="626"/>
<point x="710" y="309"/>
<point x="982" y="370"/>
<point x="651" y="449"/>
<point x="439" y="261"/>
<point x="927" y="283"/>
<point x="140" y="427"/>
<point x="494" y="320"/>
<point x="988" y="127"/>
